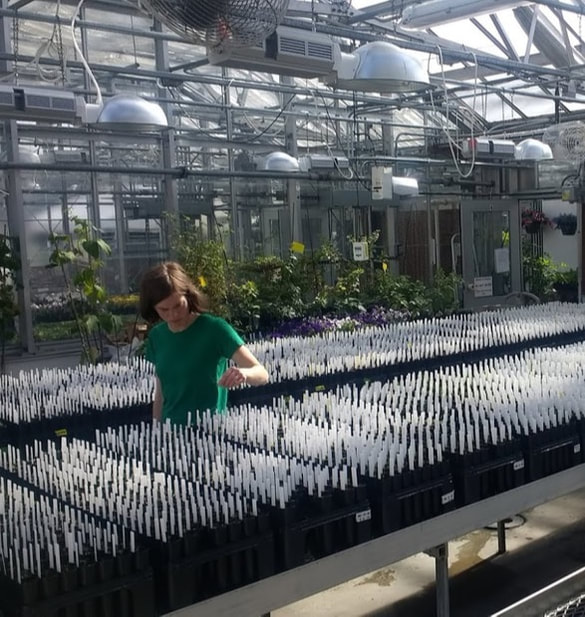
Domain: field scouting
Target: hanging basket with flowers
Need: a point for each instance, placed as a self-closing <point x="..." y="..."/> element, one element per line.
<point x="534" y="220"/>
<point x="567" y="223"/>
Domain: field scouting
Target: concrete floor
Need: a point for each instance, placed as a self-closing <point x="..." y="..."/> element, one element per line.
<point x="545" y="544"/>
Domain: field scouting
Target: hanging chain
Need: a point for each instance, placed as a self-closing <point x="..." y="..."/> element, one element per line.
<point x="15" y="44"/>
<point x="134" y="41"/>
<point x="60" y="47"/>
<point x="580" y="22"/>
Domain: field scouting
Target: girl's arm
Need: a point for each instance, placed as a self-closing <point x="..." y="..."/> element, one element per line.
<point x="247" y="370"/>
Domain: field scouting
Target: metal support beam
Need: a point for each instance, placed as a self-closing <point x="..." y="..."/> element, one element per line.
<point x="293" y="185"/>
<point x="93" y="206"/>
<point x="168" y="150"/>
<point x="16" y="225"/>
<point x="18" y="4"/>
<point x="120" y="237"/>
<point x="15" y="208"/>
<point x="235" y="215"/>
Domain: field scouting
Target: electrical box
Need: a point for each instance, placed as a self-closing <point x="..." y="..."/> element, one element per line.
<point x="289" y="51"/>
<point x="485" y="148"/>
<point x="48" y="104"/>
<point x="381" y="182"/>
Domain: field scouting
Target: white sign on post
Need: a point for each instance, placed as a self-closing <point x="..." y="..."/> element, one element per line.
<point x="360" y="251"/>
<point x="483" y="287"/>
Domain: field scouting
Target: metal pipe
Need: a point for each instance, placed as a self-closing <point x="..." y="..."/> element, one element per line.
<point x="177" y="172"/>
<point x="93" y="25"/>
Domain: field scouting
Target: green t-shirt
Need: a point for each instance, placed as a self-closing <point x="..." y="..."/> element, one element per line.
<point x="189" y="364"/>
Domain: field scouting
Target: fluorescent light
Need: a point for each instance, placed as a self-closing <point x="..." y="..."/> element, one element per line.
<point x="436" y="12"/>
<point x="403" y="186"/>
<point x="380" y="67"/>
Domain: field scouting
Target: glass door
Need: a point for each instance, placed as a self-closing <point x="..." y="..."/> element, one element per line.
<point x="490" y="241"/>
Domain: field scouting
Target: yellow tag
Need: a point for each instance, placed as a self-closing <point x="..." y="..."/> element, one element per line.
<point x="320" y="388"/>
<point x="297" y="247"/>
<point x="62" y="432"/>
<point x="202" y="282"/>
<point x="384" y="266"/>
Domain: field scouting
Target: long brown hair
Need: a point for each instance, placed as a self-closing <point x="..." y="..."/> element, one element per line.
<point x="162" y="281"/>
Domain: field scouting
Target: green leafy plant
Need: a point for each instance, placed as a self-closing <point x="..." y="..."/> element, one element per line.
<point x="539" y="275"/>
<point x="9" y="267"/>
<point x="566" y="284"/>
<point x="79" y="256"/>
<point x="344" y="297"/>
<point x="566" y="276"/>
<point x="204" y="260"/>
<point x="244" y="303"/>
<point x="445" y="292"/>
<point x="281" y="285"/>
<point x="123" y="304"/>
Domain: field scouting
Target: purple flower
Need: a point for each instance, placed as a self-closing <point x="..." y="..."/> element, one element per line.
<point x="311" y="326"/>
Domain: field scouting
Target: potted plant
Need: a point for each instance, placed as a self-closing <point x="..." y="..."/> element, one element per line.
<point x="566" y="285"/>
<point x="533" y="220"/>
<point x="567" y="223"/>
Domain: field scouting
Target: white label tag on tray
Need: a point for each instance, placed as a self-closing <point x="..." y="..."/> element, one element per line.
<point x="448" y="498"/>
<point x="518" y="465"/>
<point x="361" y="517"/>
<point x="577" y="448"/>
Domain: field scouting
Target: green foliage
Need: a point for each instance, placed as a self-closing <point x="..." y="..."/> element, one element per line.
<point x="205" y="262"/>
<point x="124" y="304"/>
<point x="9" y="267"/>
<point x="539" y="272"/>
<point x="328" y="253"/>
<point x="566" y="277"/>
<point x="55" y="331"/>
<point x="244" y="303"/>
<point x="403" y="293"/>
<point x="79" y="256"/>
<point x="547" y="279"/>
<point x="444" y="292"/>
<point x="400" y="293"/>
<point x="344" y="297"/>
<point x="269" y="290"/>
<point x="280" y="286"/>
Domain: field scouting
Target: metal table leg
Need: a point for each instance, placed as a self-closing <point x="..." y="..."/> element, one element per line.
<point x="441" y="555"/>
<point x="501" y="537"/>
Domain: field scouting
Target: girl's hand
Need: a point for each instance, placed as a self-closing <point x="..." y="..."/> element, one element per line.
<point x="232" y="378"/>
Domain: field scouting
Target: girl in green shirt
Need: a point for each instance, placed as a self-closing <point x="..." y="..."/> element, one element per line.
<point x="190" y="348"/>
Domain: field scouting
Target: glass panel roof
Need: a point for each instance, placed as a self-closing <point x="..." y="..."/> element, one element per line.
<point x="557" y="41"/>
<point x="504" y="67"/>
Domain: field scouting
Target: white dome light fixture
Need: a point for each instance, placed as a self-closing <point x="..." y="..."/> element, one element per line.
<point x="280" y="161"/>
<point x="533" y="150"/>
<point x="122" y="112"/>
<point x="132" y="113"/>
<point x="380" y="67"/>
